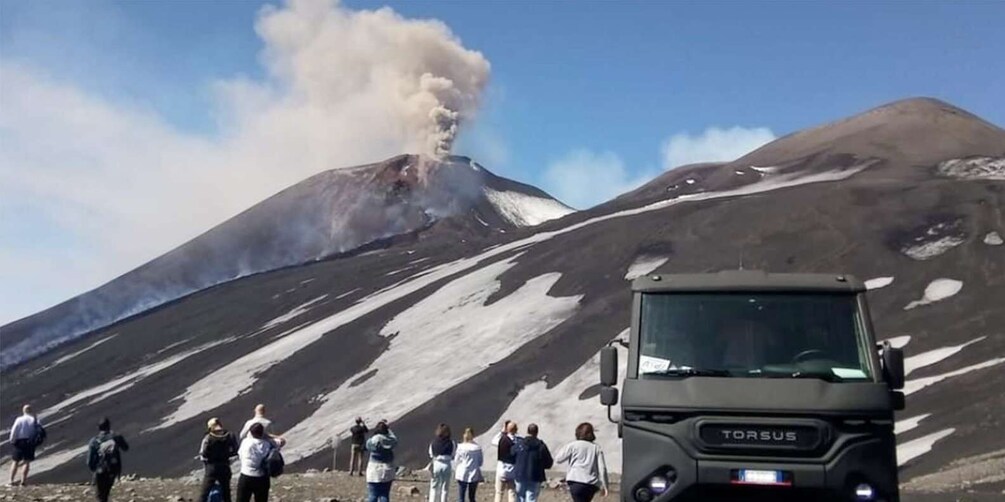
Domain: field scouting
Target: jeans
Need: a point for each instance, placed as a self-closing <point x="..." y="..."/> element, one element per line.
<point x="582" y="492"/>
<point x="378" y="492"/>
<point x="505" y="487"/>
<point x="216" y="473"/>
<point x="248" y="486"/>
<point x="467" y="488"/>
<point x="527" y="491"/>
<point x="439" y="482"/>
<point x="103" y="486"/>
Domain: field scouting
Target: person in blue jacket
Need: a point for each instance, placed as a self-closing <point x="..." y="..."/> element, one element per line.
<point x="532" y="459"/>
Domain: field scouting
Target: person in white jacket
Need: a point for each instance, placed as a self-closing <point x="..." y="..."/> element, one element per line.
<point x="25" y="435"/>
<point x="587" y="468"/>
<point x="468" y="467"/>
<point x="253" y="481"/>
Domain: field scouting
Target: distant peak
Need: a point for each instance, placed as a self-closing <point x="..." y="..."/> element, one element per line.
<point x="922" y="105"/>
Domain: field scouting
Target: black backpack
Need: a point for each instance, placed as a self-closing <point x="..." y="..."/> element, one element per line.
<point x="39" y="436"/>
<point x="273" y="463"/>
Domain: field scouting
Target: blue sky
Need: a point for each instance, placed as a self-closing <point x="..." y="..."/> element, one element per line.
<point x="590" y="87"/>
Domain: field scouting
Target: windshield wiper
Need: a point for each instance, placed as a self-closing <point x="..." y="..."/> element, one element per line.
<point x="689" y="372"/>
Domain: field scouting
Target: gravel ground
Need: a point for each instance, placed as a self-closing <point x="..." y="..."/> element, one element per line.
<point x="308" y="487"/>
<point x="332" y="487"/>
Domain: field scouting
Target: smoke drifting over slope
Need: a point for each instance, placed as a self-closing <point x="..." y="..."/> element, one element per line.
<point x="117" y="185"/>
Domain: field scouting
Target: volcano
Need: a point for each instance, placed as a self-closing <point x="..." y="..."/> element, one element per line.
<point x="477" y="316"/>
<point x="334" y="213"/>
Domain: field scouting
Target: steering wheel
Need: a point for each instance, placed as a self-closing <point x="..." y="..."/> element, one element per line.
<point x="809" y="354"/>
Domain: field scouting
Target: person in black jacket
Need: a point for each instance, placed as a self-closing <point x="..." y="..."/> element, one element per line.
<point x="104" y="459"/>
<point x="357" y="446"/>
<point x="218" y="447"/>
<point x="532" y="459"/>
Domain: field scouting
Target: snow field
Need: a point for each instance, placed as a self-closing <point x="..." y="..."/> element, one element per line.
<point x="993" y="239"/>
<point x="441" y="341"/>
<point x="937" y="290"/>
<point x="525" y="210"/>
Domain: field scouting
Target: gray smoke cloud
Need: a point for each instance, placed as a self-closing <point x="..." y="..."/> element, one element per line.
<point x="118" y="185"/>
<point x="411" y="74"/>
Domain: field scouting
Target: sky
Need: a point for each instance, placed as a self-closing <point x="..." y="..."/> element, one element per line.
<point x="127" y="128"/>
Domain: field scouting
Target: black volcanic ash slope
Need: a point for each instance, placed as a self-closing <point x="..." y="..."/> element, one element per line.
<point x="334" y="212"/>
<point x="472" y="328"/>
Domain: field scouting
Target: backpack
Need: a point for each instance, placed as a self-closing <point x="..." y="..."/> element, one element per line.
<point x="218" y="449"/>
<point x="39" y="436"/>
<point x="108" y="456"/>
<point x="273" y="463"/>
<point x="215" y="493"/>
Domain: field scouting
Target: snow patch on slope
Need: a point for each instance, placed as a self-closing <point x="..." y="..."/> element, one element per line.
<point x="67" y="357"/>
<point x="912" y="386"/>
<point x="974" y="168"/>
<point x="525" y="210"/>
<point x="931" y="249"/>
<point x="467" y="334"/>
<point x="937" y="290"/>
<point x="917" y="447"/>
<point x="296" y="312"/>
<point x="993" y="239"/>
<point x="124" y="382"/>
<point x="644" y="265"/>
<point x="878" y="282"/>
<point x="907" y="424"/>
<point x="558" y="410"/>
<point x="934" y="356"/>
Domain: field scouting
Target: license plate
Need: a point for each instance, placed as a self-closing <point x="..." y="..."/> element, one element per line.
<point x="760" y="477"/>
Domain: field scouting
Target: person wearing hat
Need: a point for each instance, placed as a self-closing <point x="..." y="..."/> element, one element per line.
<point x="218" y="447"/>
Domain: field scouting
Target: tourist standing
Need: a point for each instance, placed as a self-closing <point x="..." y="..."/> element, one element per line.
<point x="357" y="446"/>
<point x="503" y="441"/>
<point x="254" y="478"/>
<point x="380" y="469"/>
<point x="587" y="467"/>
<point x="468" y="470"/>
<point x="25" y="435"/>
<point x="217" y="448"/>
<point x="532" y="459"/>
<point x="104" y="459"/>
<point x="441" y="457"/>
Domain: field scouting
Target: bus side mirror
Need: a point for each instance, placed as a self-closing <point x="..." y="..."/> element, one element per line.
<point x="608" y="366"/>
<point x="893" y="367"/>
<point x="608" y="396"/>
